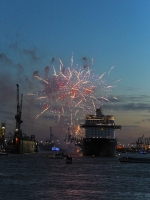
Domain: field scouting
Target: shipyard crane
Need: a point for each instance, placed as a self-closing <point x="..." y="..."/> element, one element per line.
<point x="140" y="142"/>
<point x="21" y="105"/>
<point x="19" y="110"/>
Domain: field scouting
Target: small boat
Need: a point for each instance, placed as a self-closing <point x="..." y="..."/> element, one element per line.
<point x="3" y="153"/>
<point x="68" y="160"/>
<point x="134" y="159"/>
<point x="57" y="156"/>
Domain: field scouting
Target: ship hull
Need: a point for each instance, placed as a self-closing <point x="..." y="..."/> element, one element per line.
<point x="99" y="147"/>
<point x="25" y="146"/>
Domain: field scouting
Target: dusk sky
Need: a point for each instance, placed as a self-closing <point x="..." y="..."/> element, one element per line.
<point x="108" y="36"/>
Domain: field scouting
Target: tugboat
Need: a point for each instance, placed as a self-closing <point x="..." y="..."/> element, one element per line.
<point x="3" y="153"/>
<point x="68" y="160"/>
<point x="99" y="134"/>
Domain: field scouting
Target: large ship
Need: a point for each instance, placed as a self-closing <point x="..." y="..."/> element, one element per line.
<point x="100" y="137"/>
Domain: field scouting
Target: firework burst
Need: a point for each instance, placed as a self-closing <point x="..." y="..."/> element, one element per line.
<point x="72" y="92"/>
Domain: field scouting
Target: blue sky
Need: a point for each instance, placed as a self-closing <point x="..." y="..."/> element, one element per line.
<point x="111" y="32"/>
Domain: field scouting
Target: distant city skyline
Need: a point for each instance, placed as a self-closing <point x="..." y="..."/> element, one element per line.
<point x="113" y="36"/>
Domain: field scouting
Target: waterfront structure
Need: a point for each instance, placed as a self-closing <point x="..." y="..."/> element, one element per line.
<point x="2" y="135"/>
<point x="21" y="142"/>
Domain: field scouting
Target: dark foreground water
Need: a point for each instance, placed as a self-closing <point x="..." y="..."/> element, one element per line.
<point x="35" y="176"/>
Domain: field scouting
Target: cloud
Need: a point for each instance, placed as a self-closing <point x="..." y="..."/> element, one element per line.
<point x="143" y="120"/>
<point x="129" y="103"/>
<point x="129" y="88"/>
<point x="32" y="54"/>
<point x="5" y="60"/>
<point x="136" y="106"/>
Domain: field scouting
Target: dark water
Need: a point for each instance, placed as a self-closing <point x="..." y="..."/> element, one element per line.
<point x="35" y="176"/>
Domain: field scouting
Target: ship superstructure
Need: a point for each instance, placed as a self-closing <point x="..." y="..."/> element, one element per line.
<point x="99" y="134"/>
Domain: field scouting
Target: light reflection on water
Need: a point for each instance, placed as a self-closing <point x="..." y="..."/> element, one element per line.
<point x="35" y="176"/>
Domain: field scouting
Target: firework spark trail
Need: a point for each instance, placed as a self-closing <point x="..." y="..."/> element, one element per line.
<point x="63" y="75"/>
<point x="42" y="79"/>
<point x="115" y="97"/>
<point x="42" y="112"/>
<point x="93" y="105"/>
<point x="104" y="98"/>
<point x="92" y="61"/>
<point x="72" y="60"/>
<point x="70" y="75"/>
<point x="77" y="74"/>
<point x="110" y="86"/>
<point x="89" y="71"/>
<point x="76" y="112"/>
<point x="61" y="65"/>
<point x="60" y="62"/>
<point x="102" y="75"/>
<point x="110" y="69"/>
<point x="117" y="81"/>
<point x="63" y="111"/>
<point x="78" y="103"/>
<point x="77" y="129"/>
<point x="54" y="71"/>
<point x="83" y="97"/>
<point x="76" y="84"/>
<point x="41" y="97"/>
<point x="58" y="117"/>
<point x="92" y="97"/>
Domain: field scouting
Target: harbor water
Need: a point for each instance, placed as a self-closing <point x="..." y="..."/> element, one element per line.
<point x="36" y="176"/>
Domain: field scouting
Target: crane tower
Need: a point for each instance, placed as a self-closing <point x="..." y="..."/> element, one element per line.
<point x="18" y="131"/>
